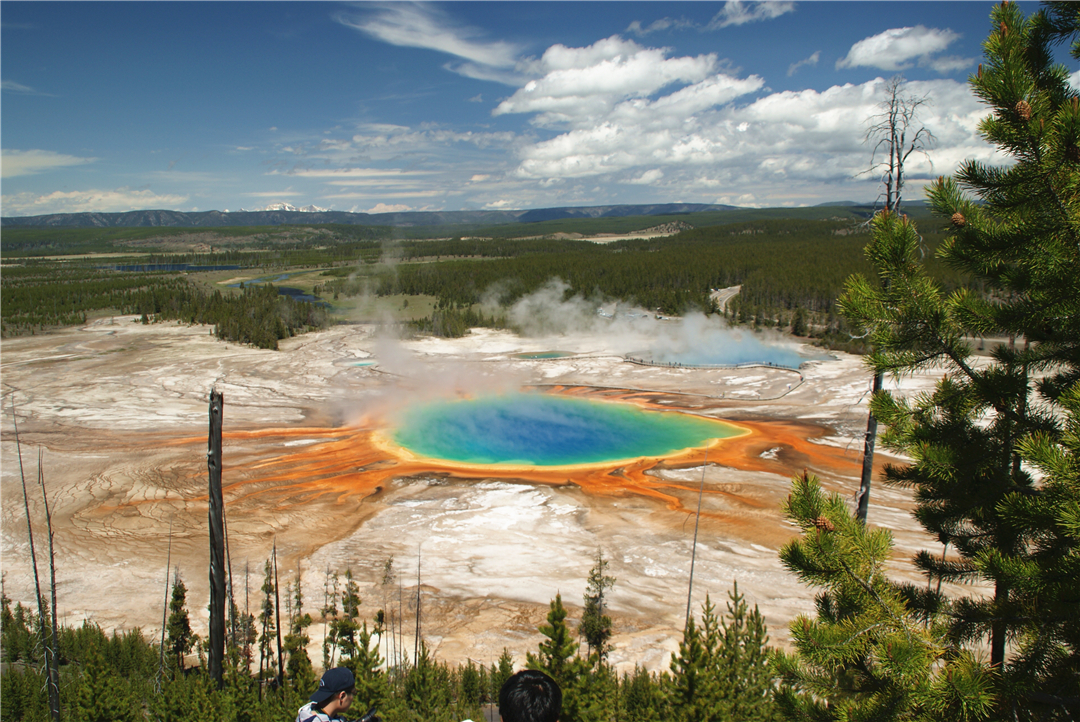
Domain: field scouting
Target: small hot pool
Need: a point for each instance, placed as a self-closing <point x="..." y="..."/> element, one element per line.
<point x="539" y="355"/>
<point x="545" y="430"/>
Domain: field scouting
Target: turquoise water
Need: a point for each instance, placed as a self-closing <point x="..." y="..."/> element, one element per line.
<point x="747" y="350"/>
<point x="544" y="430"/>
<point x="542" y="355"/>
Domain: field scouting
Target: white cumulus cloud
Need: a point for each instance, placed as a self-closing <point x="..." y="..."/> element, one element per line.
<point x="648" y="177"/>
<point x="27" y="162"/>
<point x="591" y="82"/>
<point x="790" y="147"/>
<point x="383" y="208"/>
<point x="896" y="48"/>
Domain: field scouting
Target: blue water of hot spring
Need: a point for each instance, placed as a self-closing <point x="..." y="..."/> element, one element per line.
<point x="545" y="430"/>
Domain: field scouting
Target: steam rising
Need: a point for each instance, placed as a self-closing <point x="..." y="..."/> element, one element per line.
<point x="552" y="318"/>
<point x="695" y="339"/>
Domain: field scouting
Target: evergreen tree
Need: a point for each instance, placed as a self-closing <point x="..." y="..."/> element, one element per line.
<point x="180" y="639"/>
<point x="101" y="695"/>
<point x="742" y="662"/>
<point x="640" y="697"/>
<point x="975" y="439"/>
<point x="470" y="691"/>
<point x="590" y="693"/>
<point x="867" y="655"/>
<point x="329" y="614"/>
<point x="595" y="626"/>
<point x="345" y="629"/>
<point x="22" y="695"/>
<point x="298" y="669"/>
<point x="554" y="653"/>
<point x="427" y="687"/>
<point x="267" y="625"/>
<point x="501" y="672"/>
<point x="692" y="689"/>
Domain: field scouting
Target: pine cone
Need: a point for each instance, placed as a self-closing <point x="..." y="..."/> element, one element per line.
<point x="1072" y="153"/>
<point x="958" y="219"/>
<point x="824" y="524"/>
<point x="1023" y="109"/>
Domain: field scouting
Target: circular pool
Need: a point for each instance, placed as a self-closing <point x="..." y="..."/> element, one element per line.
<point x="547" y="430"/>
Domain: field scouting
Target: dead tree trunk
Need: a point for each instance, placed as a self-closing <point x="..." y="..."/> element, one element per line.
<point x="54" y="662"/>
<point x="216" y="651"/>
<point x="277" y="610"/>
<point x="891" y="130"/>
<point x="43" y="612"/>
<point x="164" y="615"/>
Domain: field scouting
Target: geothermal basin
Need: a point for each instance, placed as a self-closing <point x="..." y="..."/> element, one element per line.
<point x="329" y="461"/>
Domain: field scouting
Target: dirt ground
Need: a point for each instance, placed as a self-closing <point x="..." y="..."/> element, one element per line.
<point x="118" y="412"/>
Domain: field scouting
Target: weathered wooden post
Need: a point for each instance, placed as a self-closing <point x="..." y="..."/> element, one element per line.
<point x="217" y="541"/>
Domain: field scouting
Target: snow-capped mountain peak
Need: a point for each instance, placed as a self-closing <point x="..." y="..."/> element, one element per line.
<point x="287" y="207"/>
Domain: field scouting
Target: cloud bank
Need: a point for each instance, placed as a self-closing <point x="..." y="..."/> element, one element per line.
<point x="88" y="201"/>
<point x="15" y="163"/>
<point x="636" y="116"/>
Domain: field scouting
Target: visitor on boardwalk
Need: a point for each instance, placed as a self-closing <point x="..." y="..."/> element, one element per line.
<point x="530" y="696"/>
<point x="334" y="696"/>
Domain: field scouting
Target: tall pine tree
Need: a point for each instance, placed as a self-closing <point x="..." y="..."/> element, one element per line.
<point x="180" y="639"/>
<point x="595" y="625"/>
<point x="973" y="441"/>
<point x="555" y="652"/>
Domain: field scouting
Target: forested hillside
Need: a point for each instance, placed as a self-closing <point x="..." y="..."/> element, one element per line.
<point x="788" y="269"/>
<point x="38" y="297"/>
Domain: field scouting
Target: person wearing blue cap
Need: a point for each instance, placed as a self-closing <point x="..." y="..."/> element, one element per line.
<point x="334" y="696"/>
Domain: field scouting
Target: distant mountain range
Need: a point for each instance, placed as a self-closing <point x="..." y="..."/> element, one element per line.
<point x="282" y="213"/>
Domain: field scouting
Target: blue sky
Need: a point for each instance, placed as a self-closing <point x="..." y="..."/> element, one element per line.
<point x="448" y="106"/>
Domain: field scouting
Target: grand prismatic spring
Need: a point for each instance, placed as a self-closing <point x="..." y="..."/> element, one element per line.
<point x="547" y="430"/>
<point x="604" y="441"/>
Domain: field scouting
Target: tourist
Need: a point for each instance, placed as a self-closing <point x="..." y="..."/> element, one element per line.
<point x="530" y="696"/>
<point x="334" y="696"/>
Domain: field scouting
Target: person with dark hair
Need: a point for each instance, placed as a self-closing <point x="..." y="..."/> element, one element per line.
<point x="530" y="696"/>
<point x="334" y="696"/>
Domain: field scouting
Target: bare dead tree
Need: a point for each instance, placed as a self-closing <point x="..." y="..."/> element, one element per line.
<point x="277" y="611"/>
<point x="693" y="551"/>
<point x="164" y="614"/>
<point x="247" y="616"/>
<point x="43" y="612"/>
<point x="896" y="134"/>
<point x="231" y="598"/>
<point x="216" y="522"/>
<point x="416" y="642"/>
<point x="401" y="623"/>
<point x="54" y="661"/>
